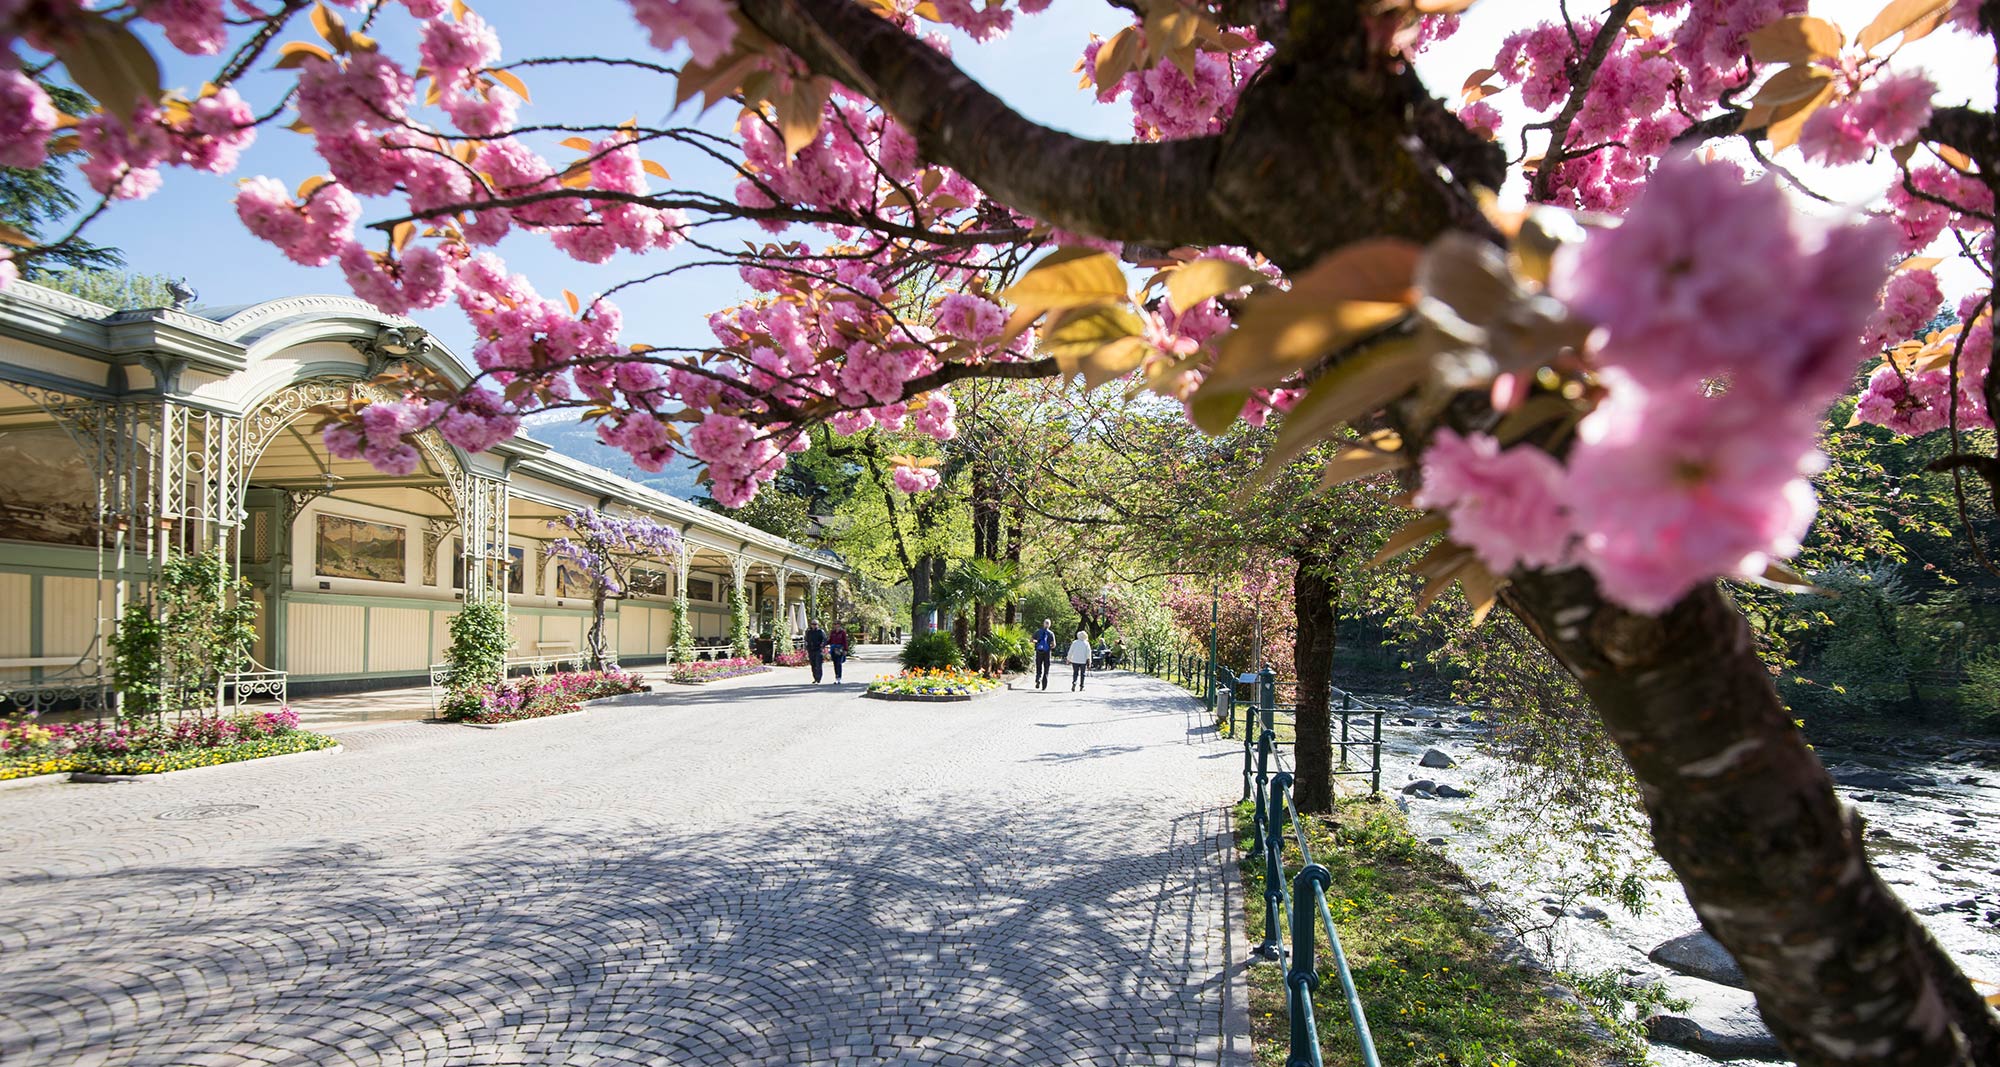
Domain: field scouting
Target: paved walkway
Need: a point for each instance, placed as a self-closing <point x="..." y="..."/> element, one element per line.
<point x="768" y="873"/>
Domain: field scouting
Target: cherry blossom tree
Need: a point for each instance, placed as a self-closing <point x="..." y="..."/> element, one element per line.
<point x="605" y="547"/>
<point x="1601" y="412"/>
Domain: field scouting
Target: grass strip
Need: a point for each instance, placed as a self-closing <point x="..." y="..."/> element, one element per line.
<point x="1432" y="980"/>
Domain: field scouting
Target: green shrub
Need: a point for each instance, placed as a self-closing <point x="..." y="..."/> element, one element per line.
<point x="931" y="651"/>
<point x="479" y="643"/>
<point x="1012" y="645"/>
<point x="197" y="624"/>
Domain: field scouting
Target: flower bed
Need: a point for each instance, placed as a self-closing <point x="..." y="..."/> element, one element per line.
<point x="537" y="696"/>
<point x="715" y="670"/>
<point x="933" y="683"/>
<point x="789" y="659"/>
<point x="29" y="748"/>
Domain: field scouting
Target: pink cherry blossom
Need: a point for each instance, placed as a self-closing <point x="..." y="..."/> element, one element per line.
<point x="1912" y="404"/>
<point x="1908" y="301"/>
<point x="1670" y="487"/>
<point x="27" y="118"/>
<point x="453" y="50"/>
<point x="194" y="26"/>
<point x="916" y="479"/>
<point x="707" y="27"/>
<point x="969" y="317"/>
<point x="1505" y="505"/>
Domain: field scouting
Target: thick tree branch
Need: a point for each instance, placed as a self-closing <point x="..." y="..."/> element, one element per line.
<point x="1969" y="130"/>
<point x="1151" y="193"/>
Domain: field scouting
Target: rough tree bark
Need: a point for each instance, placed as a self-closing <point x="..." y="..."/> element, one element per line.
<point x="920" y="597"/>
<point x="1316" y="607"/>
<point x="1333" y="143"/>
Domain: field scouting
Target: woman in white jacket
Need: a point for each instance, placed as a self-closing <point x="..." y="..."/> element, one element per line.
<point x="1079" y="661"/>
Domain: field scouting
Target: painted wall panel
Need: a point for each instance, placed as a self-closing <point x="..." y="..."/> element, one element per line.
<point x="16" y="630"/>
<point x="396" y="639"/>
<point x="324" y="638"/>
<point x="69" y="615"/>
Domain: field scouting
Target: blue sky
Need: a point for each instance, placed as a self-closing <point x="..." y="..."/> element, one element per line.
<point x="189" y="228"/>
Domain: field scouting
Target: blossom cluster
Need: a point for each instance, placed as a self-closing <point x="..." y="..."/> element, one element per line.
<point x="1726" y="324"/>
<point x="539" y="695"/>
<point x="595" y="541"/>
<point x="30" y="747"/>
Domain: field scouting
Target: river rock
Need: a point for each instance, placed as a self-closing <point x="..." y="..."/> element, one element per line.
<point x="1857" y="776"/>
<point x="1452" y="792"/>
<point x="1591" y="913"/>
<point x="1422" y="787"/>
<point x="1434" y="758"/>
<point x="1720" y="1022"/>
<point x="1701" y="956"/>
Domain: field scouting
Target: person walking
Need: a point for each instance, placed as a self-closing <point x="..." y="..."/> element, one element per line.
<point x="815" y="648"/>
<point x="1045" y="647"/>
<point x="836" y="649"/>
<point x="1079" y="661"/>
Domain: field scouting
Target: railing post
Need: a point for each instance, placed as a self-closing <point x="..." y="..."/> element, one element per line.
<point x="1249" y="748"/>
<point x="1274" y="869"/>
<point x="1346" y="705"/>
<point x="1375" y="779"/>
<point x="1303" y="978"/>
<point x="1267" y="696"/>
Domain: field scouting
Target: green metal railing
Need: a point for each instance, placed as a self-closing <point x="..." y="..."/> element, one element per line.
<point x="1301" y="905"/>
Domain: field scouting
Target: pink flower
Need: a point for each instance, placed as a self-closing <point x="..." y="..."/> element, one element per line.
<point x="194" y="26"/>
<point x="916" y="479"/>
<point x="1887" y="115"/>
<point x="1908" y="301"/>
<point x="1669" y="488"/>
<point x="1504" y="505"/>
<point x="1913" y="405"/>
<point x="707" y="27"/>
<point x="1481" y="118"/>
<point x="453" y="50"/>
<point x="27" y="118"/>
<point x="369" y="90"/>
<point x="970" y="318"/>
<point x="1708" y="276"/>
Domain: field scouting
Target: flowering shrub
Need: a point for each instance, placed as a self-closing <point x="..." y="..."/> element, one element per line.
<point x="789" y="659"/>
<point x="714" y="670"/>
<point x="537" y="695"/>
<point x="30" y="748"/>
<point x="948" y="681"/>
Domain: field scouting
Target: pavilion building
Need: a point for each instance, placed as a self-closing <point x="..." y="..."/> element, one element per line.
<point x="128" y="435"/>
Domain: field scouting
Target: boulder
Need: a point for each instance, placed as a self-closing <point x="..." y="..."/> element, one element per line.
<point x="1421" y="787"/>
<point x="1591" y="913"/>
<point x="1858" y="776"/>
<point x="1451" y="792"/>
<point x="1433" y="840"/>
<point x="1701" y="956"/>
<point x="1434" y="758"/>
<point x="1720" y="1022"/>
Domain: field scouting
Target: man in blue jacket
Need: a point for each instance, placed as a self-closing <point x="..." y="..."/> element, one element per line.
<point x="815" y="648"/>
<point x="1045" y="646"/>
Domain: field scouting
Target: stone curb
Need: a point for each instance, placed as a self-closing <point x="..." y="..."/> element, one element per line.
<point x="929" y="698"/>
<point x="51" y="778"/>
<point x="524" y="722"/>
<point x="93" y="778"/>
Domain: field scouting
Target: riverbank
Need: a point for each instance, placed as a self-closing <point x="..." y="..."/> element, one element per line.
<point x="1929" y="817"/>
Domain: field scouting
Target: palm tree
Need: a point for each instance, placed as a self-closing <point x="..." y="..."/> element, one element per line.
<point x="980" y="585"/>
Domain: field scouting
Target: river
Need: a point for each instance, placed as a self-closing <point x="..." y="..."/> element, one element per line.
<point x="1930" y="829"/>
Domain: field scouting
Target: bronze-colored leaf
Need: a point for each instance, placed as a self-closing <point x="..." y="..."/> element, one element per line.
<point x="802" y="111"/>
<point x="1212" y="412"/>
<point x="575" y="305"/>
<point x="1117" y="57"/>
<point x="1790" y="85"/>
<point x="1796" y="39"/>
<point x="1482" y="589"/>
<point x="1356" y="386"/>
<point x="1911" y="18"/>
<point x="1068" y="277"/>
<point x="655" y="169"/>
<point x="1791" y="118"/>
<point x="295" y="53"/>
<point x="1354" y="464"/>
<point x="1078" y="332"/>
<point x="1113" y="361"/>
<point x="513" y="81"/>
<point x="1192" y="283"/>
<point x="580" y="144"/>
<point x="107" y="61"/>
<point x="1410" y="536"/>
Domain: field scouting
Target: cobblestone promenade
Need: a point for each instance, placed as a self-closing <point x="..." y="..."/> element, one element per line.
<point x="757" y="873"/>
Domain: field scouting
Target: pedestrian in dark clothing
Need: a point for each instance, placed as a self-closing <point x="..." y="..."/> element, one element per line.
<point x="1079" y="661"/>
<point x="1045" y="647"/>
<point x="836" y="649"/>
<point x="815" y="648"/>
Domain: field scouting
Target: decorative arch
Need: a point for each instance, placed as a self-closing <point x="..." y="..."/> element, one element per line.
<point x="277" y="410"/>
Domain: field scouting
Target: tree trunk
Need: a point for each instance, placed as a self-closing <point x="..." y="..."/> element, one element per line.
<point x="920" y="597"/>
<point x="1315" y="605"/>
<point x="596" y="638"/>
<point x="982" y="630"/>
<point x="1745" y="815"/>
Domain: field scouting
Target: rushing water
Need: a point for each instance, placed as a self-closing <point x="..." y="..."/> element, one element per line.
<point x="1931" y="834"/>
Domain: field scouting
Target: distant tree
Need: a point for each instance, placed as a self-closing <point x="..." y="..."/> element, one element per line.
<point x="38" y="202"/>
<point x="120" y="289"/>
<point x="778" y="512"/>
